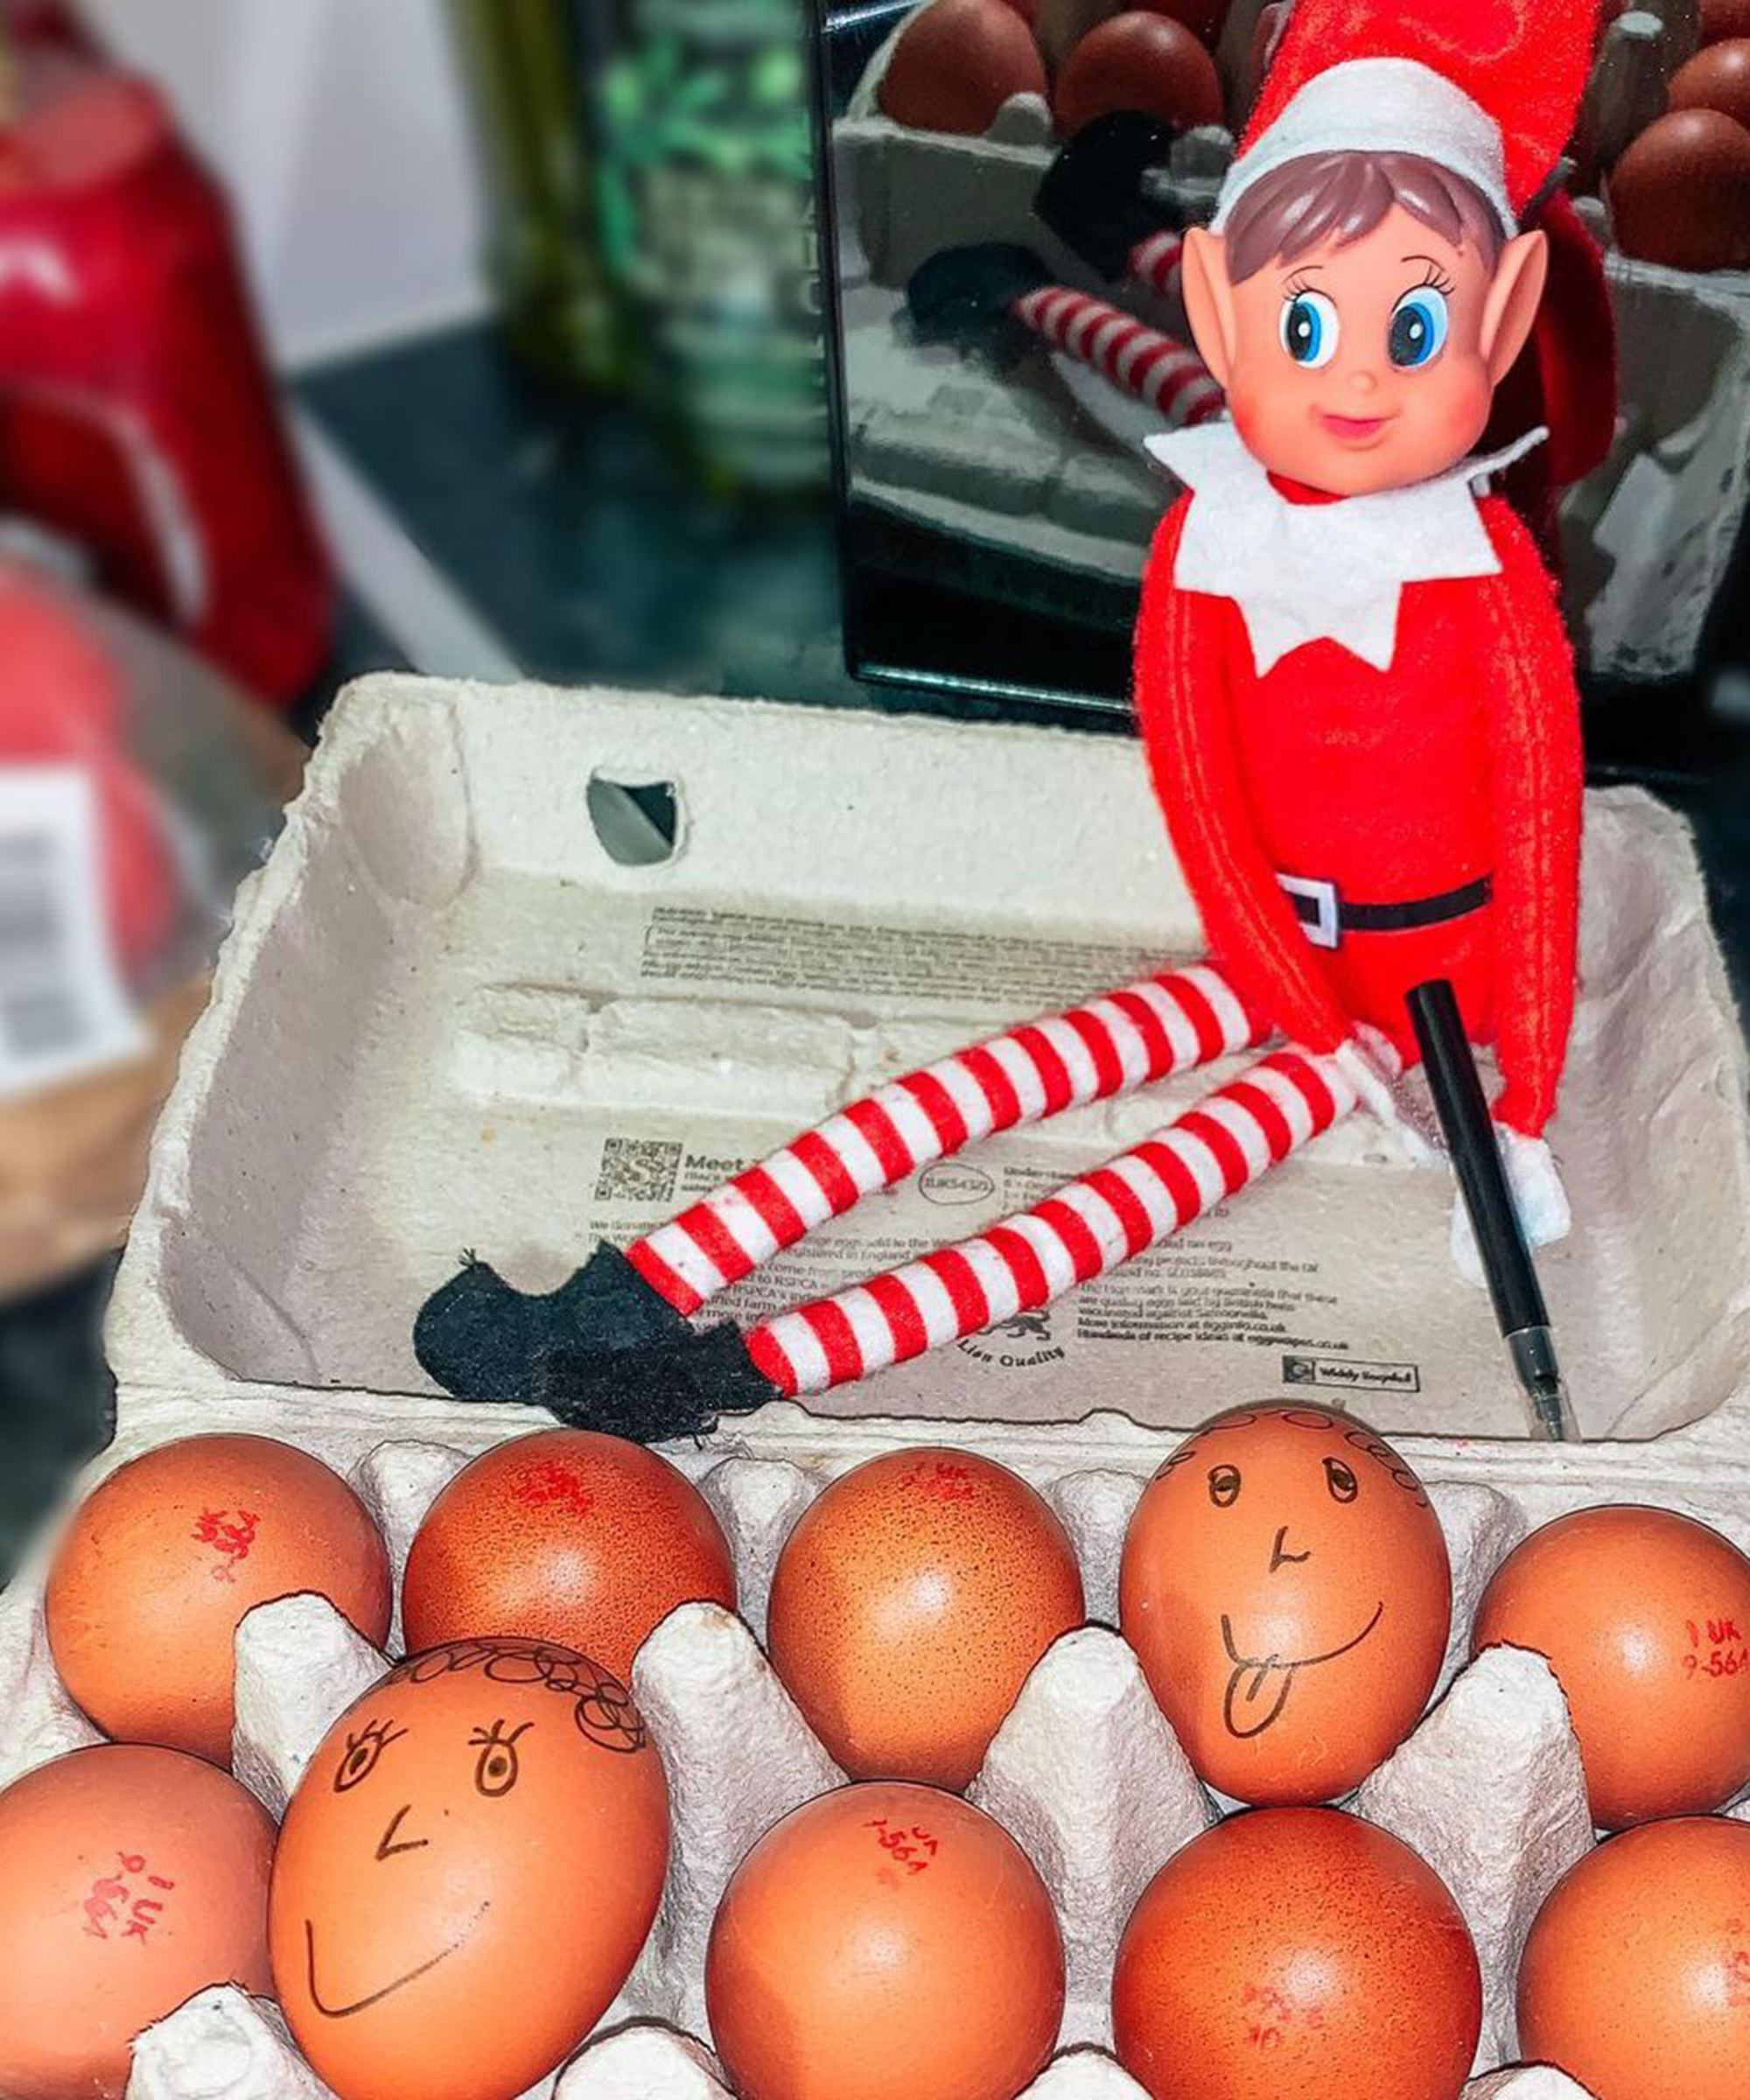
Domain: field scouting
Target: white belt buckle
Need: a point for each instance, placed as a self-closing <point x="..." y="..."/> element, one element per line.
<point x="1325" y="931"/>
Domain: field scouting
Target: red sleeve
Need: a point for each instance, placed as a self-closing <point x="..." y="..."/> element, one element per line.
<point x="1537" y="783"/>
<point x="1182" y="706"/>
<point x="1575" y="343"/>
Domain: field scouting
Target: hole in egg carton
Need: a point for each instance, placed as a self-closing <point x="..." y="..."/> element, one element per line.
<point x="1086" y="1771"/>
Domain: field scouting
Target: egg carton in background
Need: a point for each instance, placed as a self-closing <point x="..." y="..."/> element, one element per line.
<point x="443" y="997"/>
<point x="1086" y="1771"/>
<point x="1041" y="466"/>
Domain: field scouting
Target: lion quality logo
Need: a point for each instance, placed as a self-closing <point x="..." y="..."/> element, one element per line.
<point x="1015" y="1344"/>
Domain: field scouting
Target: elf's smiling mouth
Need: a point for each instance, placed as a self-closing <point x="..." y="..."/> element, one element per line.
<point x="1239" y="1708"/>
<point x="1356" y="430"/>
<point x="363" y="2004"/>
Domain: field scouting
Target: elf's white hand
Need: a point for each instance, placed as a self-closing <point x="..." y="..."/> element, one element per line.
<point x="1538" y="1197"/>
<point x="1373" y="1067"/>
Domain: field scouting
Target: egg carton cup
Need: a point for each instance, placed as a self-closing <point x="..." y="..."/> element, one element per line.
<point x="1041" y="464"/>
<point x="1085" y="1771"/>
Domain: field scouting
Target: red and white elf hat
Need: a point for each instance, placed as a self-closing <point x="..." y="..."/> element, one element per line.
<point x="1486" y="88"/>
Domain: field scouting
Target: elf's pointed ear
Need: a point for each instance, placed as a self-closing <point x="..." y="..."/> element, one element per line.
<point x="1511" y="305"/>
<point x="1208" y="300"/>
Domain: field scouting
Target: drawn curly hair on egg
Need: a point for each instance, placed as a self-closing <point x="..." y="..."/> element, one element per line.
<point x="603" y="1708"/>
<point x="1353" y="1433"/>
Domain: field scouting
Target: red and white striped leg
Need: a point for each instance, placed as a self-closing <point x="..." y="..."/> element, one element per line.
<point x="1169" y="376"/>
<point x="1089" y="1226"/>
<point x="1155" y="263"/>
<point x="1168" y="1023"/>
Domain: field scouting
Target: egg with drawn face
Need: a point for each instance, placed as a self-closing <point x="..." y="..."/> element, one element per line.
<point x="467" y="1872"/>
<point x="1287" y="1587"/>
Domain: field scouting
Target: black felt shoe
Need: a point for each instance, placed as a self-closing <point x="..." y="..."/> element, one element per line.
<point x="604" y="1351"/>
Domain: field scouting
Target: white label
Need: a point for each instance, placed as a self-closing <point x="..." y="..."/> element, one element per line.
<point x="63" y="1010"/>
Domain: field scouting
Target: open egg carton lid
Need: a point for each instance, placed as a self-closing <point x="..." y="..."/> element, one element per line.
<point x="1086" y="1771"/>
<point x="464" y="1006"/>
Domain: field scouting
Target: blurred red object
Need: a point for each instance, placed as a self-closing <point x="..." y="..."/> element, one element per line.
<point x="44" y="22"/>
<point x="64" y="700"/>
<point x="138" y="785"/>
<point x="137" y="414"/>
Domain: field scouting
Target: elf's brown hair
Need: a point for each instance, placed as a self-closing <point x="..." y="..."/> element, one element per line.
<point x="1341" y="197"/>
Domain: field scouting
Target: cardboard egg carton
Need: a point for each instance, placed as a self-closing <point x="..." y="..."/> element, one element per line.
<point x="454" y="1013"/>
<point x="1086" y="1771"/>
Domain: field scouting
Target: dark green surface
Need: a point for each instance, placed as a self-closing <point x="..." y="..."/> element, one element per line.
<point x="577" y="537"/>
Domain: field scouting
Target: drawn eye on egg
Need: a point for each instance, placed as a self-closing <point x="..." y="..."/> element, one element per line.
<point x="358" y="1759"/>
<point x="497" y="1766"/>
<point x="1341" y="1482"/>
<point x="1224" y="1485"/>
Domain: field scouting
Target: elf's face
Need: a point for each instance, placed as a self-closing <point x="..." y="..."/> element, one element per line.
<point x="1368" y="365"/>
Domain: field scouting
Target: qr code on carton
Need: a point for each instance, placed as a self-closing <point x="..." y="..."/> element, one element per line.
<point x="637" y="1170"/>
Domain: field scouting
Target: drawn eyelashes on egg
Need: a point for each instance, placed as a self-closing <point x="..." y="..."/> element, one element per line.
<point x="496" y="1769"/>
<point x="364" y="1746"/>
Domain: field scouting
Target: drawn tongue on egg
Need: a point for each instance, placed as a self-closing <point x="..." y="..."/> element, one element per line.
<point x="1260" y="1671"/>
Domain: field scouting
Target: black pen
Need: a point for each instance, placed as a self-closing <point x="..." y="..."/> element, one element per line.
<point x="1507" y="1266"/>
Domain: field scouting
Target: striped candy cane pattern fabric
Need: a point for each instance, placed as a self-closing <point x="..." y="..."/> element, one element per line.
<point x="1154" y="263"/>
<point x="1168" y="1023"/>
<point x="1087" y="1228"/>
<point x="1169" y="376"/>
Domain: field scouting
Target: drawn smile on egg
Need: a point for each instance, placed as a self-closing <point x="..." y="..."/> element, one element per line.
<point x="375" y="1997"/>
<point x="1261" y="1669"/>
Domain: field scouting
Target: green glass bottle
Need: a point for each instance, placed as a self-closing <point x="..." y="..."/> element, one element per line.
<point x="559" y="304"/>
<point x="707" y="213"/>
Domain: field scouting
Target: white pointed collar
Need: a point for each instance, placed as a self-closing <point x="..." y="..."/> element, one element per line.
<point x="1301" y="572"/>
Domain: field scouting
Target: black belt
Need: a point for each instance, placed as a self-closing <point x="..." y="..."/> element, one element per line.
<point x="1328" y="917"/>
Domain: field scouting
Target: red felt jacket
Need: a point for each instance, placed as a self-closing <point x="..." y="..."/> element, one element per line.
<point x="1461" y="759"/>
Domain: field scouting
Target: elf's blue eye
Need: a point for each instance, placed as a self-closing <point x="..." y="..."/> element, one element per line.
<point x="1309" y="329"/>
<point x="1418" y="326"/>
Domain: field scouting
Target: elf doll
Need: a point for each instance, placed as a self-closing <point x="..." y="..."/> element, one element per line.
<point x="1355" y="693"/>
<point x="1357" y="700"/>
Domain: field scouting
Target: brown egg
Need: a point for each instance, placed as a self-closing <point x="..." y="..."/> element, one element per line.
<point x="1717" y="78"/>
<point x="466" y="1874"/>
<point x="908" y="1605"/>
<point x="1723" y="19"/>
<point x="130" y="1877"/>
<point x="161" y="1561"/>
<point x="564" y="1535"/>
<point x="1302" y="1952"/>
<point x="1644" y="1616"/>
<point x="1287" y="1587"/>
<point x="956" y="63"/>
<point x="1636" y="1975"/>
<point x="1138" y="60"/>
<point x="1203" y="17"/>
<point x="1681" y="194"/>
<point x="885" y="1942"/>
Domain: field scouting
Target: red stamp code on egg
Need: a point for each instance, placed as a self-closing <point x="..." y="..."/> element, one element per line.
<point x="231" y="1541"/>
<point x="120" y="1900"/>
<point x="912" y="1848"/>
